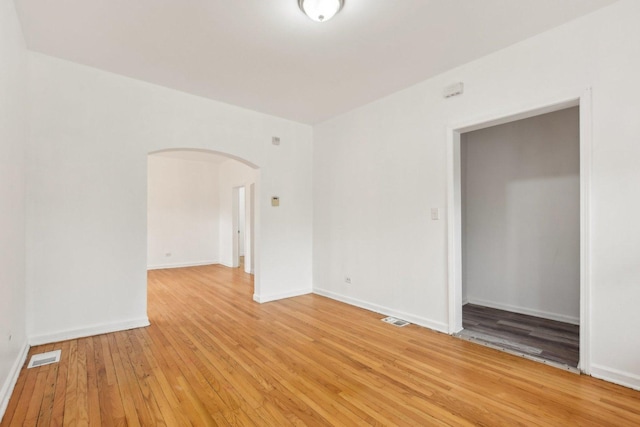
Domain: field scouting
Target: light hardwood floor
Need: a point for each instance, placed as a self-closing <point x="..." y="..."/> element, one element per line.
<point x="214" y="357"/>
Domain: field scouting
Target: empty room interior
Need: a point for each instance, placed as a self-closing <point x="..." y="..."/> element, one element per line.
<point x="520" y="190"/>
<point x="319" y="212"/>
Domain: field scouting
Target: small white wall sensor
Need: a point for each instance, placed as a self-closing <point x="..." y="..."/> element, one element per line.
<point x="453" y="90"/>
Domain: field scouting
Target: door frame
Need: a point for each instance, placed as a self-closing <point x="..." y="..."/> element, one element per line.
<point x="249" y="228"/>
<point x="583" y="100"/>
<point x="235" y="224"/>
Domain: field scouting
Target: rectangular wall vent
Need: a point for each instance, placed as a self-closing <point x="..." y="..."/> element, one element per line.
<point x="44" y="359"/>
<point x="395" y="322"/>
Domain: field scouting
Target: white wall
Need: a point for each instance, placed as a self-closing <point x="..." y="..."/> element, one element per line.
<point x="380" y="168"/>
<point x="234" y="174"/>
<point x="182" y="212"/>
<point x="90" y="134"/>
<point x="521" y="215"/>
<point x="13" y="134"/>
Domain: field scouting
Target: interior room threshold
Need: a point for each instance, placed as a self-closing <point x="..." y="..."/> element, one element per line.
<point x="562" y="366"/>
<point x="546" y="341"/>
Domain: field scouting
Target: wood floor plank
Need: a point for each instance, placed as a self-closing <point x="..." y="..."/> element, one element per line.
<point x="171" y="364"/>
<point x="111" y="404"/>
<point x="138" y="373"/>
<point x="82" y="398"/>
<point x="134" y="409"/>
<point x="46" y="407"/>
<point x="12" y="408"/>
<point x="212" y="356"/>
<point x="59" y="397"/>
<point x="152" y="377"/>
<point x="93" y="396"/>
<point x="33" y="409"/>
<point x="70" y="417"/>
<point x="19" y="403"/>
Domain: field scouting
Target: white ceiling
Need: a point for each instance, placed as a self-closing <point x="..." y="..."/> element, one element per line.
<point x="267" y="56"/>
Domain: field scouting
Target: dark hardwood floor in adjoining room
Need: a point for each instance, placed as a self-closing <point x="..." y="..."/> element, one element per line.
<point x="212" y="356"/>
<point x="544" y="339"/>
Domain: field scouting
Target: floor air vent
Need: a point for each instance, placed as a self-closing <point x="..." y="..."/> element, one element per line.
<point x="395" y="322"/>
<point x="44" y="359"/>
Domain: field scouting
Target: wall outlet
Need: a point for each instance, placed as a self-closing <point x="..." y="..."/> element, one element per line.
<point x="347" y="279"/>
<point x="168" y="254"/>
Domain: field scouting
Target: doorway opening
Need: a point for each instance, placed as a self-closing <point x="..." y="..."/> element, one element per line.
<point x="240" y="217"/>
<point x="518" y="232"/>
<point x="243" y="227"/>
<point x="200" y="211"/>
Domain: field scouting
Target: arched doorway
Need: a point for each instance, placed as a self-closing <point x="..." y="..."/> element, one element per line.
<point x="192" y="210"/>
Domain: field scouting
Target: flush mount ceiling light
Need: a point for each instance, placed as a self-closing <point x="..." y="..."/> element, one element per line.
<point x="320" y="10"/>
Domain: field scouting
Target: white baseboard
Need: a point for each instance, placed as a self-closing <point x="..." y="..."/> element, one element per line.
<point x="274" y="297"/>
<point x="615" y="376"/>
<point x="528" y="311"/>
<point x="12" y="378"/>
<point x="421" y="321"/>
<point x="181" y="265"/>
<point x="103" y="328"/>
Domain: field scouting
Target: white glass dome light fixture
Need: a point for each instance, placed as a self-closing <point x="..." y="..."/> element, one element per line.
<point x="320" y="10"/>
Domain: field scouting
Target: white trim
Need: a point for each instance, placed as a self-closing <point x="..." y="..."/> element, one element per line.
<point x="420" y="321"/>
<point x="9" y="384"/>
<point x="528" y="311"/>
<point x="615" y="376"/>
<point x="102" y="328"/>
<point x="586" y="146"/>
<point x="519" y="112"/>
<point x="235" y="224"/>
<point x="182" y="264"/>
<point x="454" y="231"/>
<point x="274" y="297"/>
<point x="581" y="98"/>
